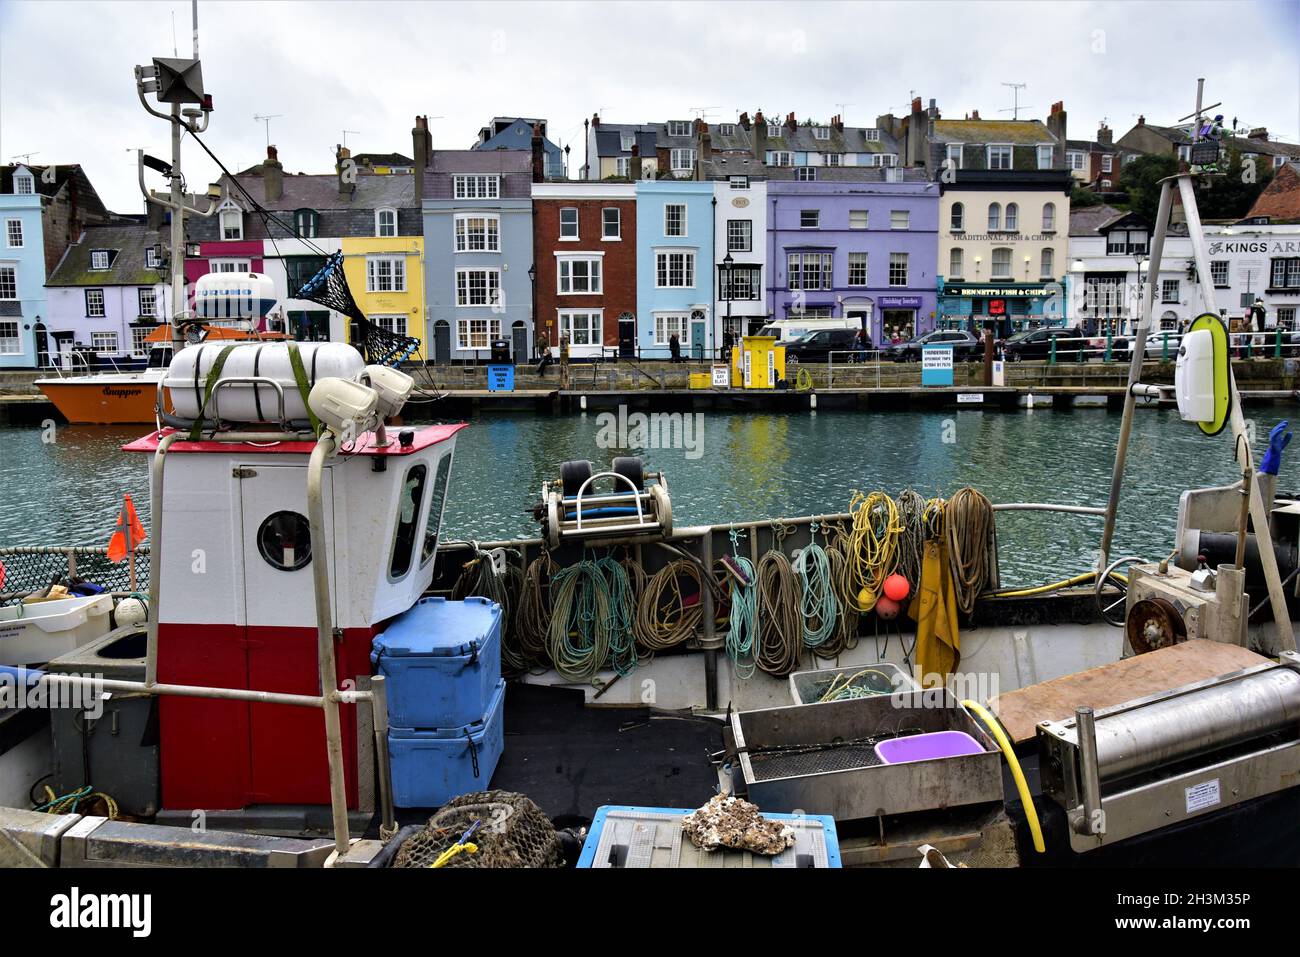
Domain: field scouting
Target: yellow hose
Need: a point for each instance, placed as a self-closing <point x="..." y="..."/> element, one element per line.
<point x="1053" y="586"/>
<point x="1031" y="813"/>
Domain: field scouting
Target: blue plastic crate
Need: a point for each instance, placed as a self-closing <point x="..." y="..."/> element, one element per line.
<point x="442" y="661"/>
<point x="642" y="837"/>
<point x="429" y="768"/>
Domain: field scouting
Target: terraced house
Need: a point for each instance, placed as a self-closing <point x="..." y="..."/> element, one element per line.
<point x="478" y="247"/>
<point x="372" y="218"/>
<point x="42" y="210"/>
<point x="107" y="294"/>
<point x="675" y="280"/>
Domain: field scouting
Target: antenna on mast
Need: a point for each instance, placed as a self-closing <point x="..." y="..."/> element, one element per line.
<point x="267" y="118"/>
<point x="345" y="135"/>
<point x="25" y="157"/>
<point x="1015" y="108"/>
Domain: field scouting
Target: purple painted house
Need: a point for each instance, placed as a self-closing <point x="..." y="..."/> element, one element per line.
<point x="854" y="243"/>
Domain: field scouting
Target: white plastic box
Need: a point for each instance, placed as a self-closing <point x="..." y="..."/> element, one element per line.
<point x="37" y="633"/>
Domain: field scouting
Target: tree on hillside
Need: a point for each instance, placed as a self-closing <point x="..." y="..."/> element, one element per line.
<point x="1141" y="180"/>
<point x="1231" y="195"/>
<point x="1080" y="197"/>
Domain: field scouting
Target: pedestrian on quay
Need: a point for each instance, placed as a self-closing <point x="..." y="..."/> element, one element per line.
<point x="674" y="348"/>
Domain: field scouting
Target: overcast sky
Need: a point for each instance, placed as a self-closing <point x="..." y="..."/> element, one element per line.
<point x="67" y="93"/>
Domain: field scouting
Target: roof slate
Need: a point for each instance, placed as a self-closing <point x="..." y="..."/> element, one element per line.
<point x="127" y="268"/>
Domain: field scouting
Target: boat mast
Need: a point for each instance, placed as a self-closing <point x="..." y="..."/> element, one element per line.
<point x="177" y="82"/>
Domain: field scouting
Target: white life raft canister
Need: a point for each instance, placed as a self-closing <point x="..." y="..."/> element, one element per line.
<point x="233" y="295"/>
<point x="187" y="378"/>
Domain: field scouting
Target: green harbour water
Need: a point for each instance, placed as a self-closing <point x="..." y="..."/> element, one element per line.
<point x="746" y="466"/>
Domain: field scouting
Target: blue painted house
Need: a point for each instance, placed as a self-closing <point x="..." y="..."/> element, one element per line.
<point x="516" y="133"/>
<point x="478" y="249"/>
<point x="42" y="210"/>
<point x="675" y="269"/>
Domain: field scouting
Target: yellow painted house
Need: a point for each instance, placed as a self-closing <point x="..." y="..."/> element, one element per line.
<point x="386" y="276"/>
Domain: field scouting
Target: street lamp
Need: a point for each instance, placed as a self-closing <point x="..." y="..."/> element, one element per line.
<point x="727" y="269"/>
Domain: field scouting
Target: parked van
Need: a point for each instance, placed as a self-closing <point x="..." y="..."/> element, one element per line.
<point x="788" y="330"/>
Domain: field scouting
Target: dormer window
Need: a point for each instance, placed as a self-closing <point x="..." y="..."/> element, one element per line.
<point x="872" y="135"/>
<point x="679" y="128"/>
<point x="774" y="129"/>
<point x="232" y="223"/>
<point x="625" y="142"/>
<point x="305" y="223"/>
<point x="386" y="222"/>
<point x="726" y="129"/>
<point x="99" y="259"/>
<point x="821" y="133"/>
<point x="151" y="258"/>
<point x="24" y="184"/>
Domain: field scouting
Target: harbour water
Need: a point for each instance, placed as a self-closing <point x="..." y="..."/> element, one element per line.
<point x="67" y="490"/>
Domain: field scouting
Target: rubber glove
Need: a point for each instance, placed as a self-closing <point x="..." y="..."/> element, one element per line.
<point x="1278" y="440"/>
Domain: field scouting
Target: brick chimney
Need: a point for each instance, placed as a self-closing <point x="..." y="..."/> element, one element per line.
<point x="744" y="121"/>
<point x="760" y="137"/>
<point x="346" y="170"/>
<point x="272" y="176"/>
<point x="837" y="123"/>
<point x="918" y="133"/>
<point x="1142" y="120"/>
<point x="974" y="114"/>
<point x="1258" y="133"/>
<point x="706" y="149"/>
<point x="539" y="154"/>
<point x="595" y="119"/>
<point x="1104" y="135"/>
<point x="791" y="122"/>
<point x="422" y="150"/>
<point x="1056" y="126"/>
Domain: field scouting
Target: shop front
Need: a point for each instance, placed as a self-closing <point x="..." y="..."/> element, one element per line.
<point x="1005" y="307"/>
<point x="897" y="318"/>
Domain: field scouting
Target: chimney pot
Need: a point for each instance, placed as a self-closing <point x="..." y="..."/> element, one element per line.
<point x="272" y="176"/>
<point x="1142" y="120"/>
<point x="916" y="104"/>
<point x="744" y="121"/>
<point x="974" y="114"/>
<point x="595" y="119"/>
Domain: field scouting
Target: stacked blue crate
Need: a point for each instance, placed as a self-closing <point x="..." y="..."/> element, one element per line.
<point x="446" y="699"/>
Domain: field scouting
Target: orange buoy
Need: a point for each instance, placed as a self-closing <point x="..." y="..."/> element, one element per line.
<point x="887" y="608"/>
<point x="896" y="587"/>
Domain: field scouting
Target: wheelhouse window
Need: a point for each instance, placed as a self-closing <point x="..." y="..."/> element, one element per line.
<point x="408" y="520"/>
<point x="437" y="498"/>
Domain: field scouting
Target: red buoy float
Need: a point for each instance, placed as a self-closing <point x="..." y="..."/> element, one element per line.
<point x="897" y="588"/>
<point x="887" y="608"/>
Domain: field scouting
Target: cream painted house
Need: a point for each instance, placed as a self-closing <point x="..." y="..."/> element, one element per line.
<point x="1003" y="246"/>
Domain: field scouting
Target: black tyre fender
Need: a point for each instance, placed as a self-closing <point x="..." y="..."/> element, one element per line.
<point x="631" y="468"/>
<point x="572" y="474"/>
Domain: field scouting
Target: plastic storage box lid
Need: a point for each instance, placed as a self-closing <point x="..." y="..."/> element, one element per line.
<point x="438" y="627"/>
<point x="924" y="747"/>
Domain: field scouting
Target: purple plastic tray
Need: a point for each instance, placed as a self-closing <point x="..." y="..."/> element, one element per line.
<point x="924" y="747"/>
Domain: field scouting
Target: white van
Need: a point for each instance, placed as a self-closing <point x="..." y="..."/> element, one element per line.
<point x="788" y="330"/>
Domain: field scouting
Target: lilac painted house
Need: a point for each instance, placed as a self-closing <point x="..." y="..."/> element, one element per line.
<point x="855" y="244"/>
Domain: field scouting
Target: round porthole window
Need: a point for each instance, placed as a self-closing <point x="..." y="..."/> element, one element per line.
<point x="284" y="540"/>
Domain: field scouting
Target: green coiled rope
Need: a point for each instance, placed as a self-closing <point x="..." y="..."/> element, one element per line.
<point x="744" y="611"/>
<point x="817" y="605"/>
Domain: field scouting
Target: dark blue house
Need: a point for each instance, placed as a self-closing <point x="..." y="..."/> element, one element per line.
<point x="516" y="133"/>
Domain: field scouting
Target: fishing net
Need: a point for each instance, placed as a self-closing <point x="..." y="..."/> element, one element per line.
<point x="329" y="288"/>
<point x="29" y="569"/>
<point x="513" y="832"/>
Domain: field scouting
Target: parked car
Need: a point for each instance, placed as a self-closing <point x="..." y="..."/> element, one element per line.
<point x="1037" y="344"/>
<point x="818" y="346"/>
<point x="966" y="346"/>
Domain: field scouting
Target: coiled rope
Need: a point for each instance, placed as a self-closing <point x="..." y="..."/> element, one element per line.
<point x="622" y="641"/>
<point x="479" y="578"/>
<point x="911" y="542"/>
<point x="577" y="638"/>
<point x="663" y="618"/>
<point x="846" y="622"/>
<point x="873" y="546"/>
<point x="817" y="605"/>
<point x="533" y="616"/>
<point x="780" y="624"/>
<point x="744" y="610"/>
<point x="970" y="530"/>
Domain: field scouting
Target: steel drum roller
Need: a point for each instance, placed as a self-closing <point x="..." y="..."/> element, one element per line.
<point x="1220" y="716"/>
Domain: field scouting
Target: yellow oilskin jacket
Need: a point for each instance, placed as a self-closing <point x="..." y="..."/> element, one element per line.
<point x="934" y="609"/>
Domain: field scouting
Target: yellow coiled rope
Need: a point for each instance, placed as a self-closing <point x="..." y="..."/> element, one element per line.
<point x="873" y="546"/>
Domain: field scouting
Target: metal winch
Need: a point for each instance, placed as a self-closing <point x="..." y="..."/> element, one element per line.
<point x="572" y="509"/>
<point x="1159" y="760"/>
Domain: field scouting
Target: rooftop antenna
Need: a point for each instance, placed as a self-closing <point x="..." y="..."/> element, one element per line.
<point x="840" y="108"/>
<point x="345" y="135"/>
<point x="267" y="118"/>
<point x="1015" y="109"/>
<point x="25" y="157"/>
<point x="175" y="50"/>
<point x="702" y="112"/>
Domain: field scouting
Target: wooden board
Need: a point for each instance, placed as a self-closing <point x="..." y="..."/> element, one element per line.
<point x="1120" y="681"/>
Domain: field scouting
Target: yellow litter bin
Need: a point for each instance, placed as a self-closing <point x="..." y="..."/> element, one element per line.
<point x="757" y="363"/>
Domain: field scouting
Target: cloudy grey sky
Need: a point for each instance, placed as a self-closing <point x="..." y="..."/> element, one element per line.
<point x="67" y="93"/>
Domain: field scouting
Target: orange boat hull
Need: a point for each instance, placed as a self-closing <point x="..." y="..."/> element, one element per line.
<point x="84" y="403"/>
